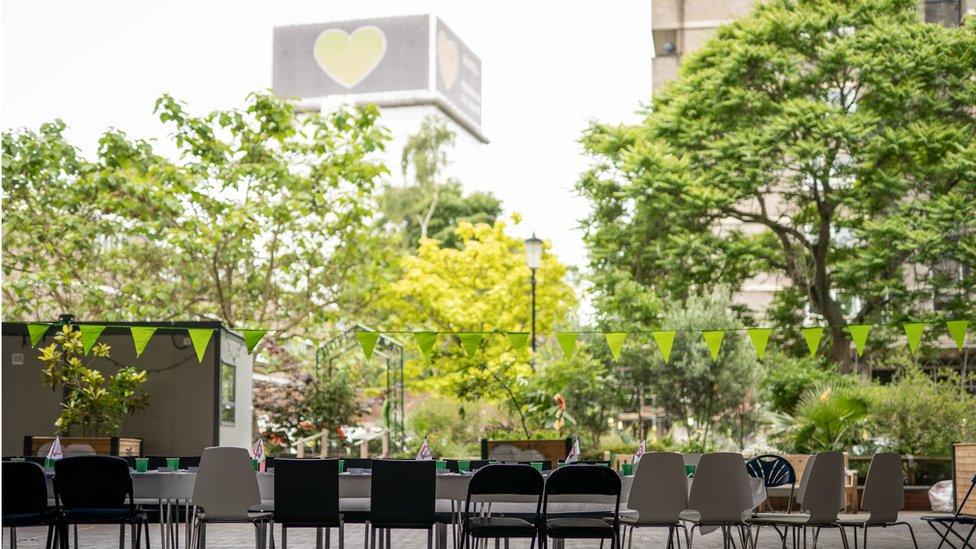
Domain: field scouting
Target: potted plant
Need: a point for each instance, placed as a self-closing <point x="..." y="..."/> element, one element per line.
<point x="93" y="406"/>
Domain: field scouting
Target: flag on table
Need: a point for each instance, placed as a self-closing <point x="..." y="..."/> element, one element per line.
<point x="640" y="452"/>
<point x="258" y="453"/>
<point x="55" y="453"/>
<point x="574" y="452"/>
<point x="424" y="454"/>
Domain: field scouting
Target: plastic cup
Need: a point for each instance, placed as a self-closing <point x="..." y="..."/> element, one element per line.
<point x="48" y="463"/>
<point x="464" y="466"/>
<point x="173" y="463"/>
<point x="537" y="465"/>
<point x="342" y="466"/>
<point x="441" y="465"/>
<point x="627" y="469"/>
<point x="142" y="465"/>
<point x="690" y="471"/>
<point x="255" y="464"/>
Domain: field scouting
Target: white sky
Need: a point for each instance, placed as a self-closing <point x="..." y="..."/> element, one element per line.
<point x="548" y="68"/>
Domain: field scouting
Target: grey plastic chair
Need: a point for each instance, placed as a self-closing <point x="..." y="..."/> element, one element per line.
<point x="720" y="494"/>
<point x="224" y="491"/>
<point x="658" y="495"/>
<point x="820" y="498"/>
<point x="884" y="497"/>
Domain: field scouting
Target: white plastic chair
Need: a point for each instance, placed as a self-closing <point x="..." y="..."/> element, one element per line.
<point x="720" y="494"/>
<point x="884" y="497"/>
<point x="820" y="497"/>
<point x="658" y="495"/>
<point x="224" y="491"/>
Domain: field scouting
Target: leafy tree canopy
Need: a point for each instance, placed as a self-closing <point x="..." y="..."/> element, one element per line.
<point x="829" y="143"/>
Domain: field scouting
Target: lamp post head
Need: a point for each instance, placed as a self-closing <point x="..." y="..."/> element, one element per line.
<point x="533" y="252"/>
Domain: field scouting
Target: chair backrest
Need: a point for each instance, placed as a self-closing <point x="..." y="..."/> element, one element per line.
<point x="358" y="463"/>
<point x="479" y="463"/>
<point x="691" y="458"/>
<point x="824" y="491"/>
<point x="720" y="491"/>
<point x="507" y="479"/>
<point x="226" y="486"/>
<point x="306" y="491"/>
<point x="659" y="491"/>
<point x="772" y="469"/>
<point x="805" y="477"/>
<point x="884" y="489"/>
<point x="92" y="481"/>
<point x="24" y="488"/>
<point x="576" y="479"/>
<point x="402" y="492"/>
<point x="189" y="461"/>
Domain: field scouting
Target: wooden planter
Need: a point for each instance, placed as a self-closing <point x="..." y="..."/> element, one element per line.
<point x="107" y="446"/>
<point x="963" y="470"/>
<point x="551" y="450"/>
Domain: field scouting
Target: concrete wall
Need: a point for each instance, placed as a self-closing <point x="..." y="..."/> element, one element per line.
<point x="180" y="419"/>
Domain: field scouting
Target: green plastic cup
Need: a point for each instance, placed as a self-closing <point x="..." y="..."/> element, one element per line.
<point x="255" y="464"/>
<point x="342" y="466"/>
<point x="690" y="471"/>
<point x="464" y="465"/>
<point x="441" y="465"/>
<point x="173" y="463"/>
<point x="627" y="469"/>
<point x="537" y="465"/>
<point x="48" y="463"/>
<point x="142" y="465"/>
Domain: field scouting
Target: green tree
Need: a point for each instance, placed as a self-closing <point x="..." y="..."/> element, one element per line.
<point x="828" y="142"/>
<point x="828" y="417"/>
<point x="785" y="379"/>
<point x="430" y="205"/>
<point x="259" y="222"/>
<point x="481" y="287"/>
<point x="695" y="391"/>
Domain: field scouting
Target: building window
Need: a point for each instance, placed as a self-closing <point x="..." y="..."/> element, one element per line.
<point x="228" y="393"/>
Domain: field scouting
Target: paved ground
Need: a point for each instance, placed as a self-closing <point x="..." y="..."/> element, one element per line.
<point x="226" y="536"/>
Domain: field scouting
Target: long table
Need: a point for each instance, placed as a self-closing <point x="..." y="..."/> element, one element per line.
<point x="172" y="489"/>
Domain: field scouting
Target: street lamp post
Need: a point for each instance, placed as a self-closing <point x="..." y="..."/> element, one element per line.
<point x="533" y="258"/>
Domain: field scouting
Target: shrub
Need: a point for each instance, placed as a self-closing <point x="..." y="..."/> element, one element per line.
<point x="786" y="378"/>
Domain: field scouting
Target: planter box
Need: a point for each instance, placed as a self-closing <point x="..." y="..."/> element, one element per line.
<point x="527" y="450"/>
<point x="963" y="471"/>
<point x="107" y="446"/>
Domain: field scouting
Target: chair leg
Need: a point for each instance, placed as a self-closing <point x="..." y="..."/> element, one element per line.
<point x="76" y="536"/>
<point x="137" y="538"/>
<point x="430" y="537"/>
<point x="341" y="534"/>
<point x="865" y="536"/>
<point x="202" y="536"/>
<point x="284" y="537"/>
<point x="843" y="536"/>
<point x="372" y="541"/>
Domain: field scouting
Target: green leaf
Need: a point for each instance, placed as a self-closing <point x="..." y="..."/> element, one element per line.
<point x="200" y="337"/>
<point x="567" y="341"/>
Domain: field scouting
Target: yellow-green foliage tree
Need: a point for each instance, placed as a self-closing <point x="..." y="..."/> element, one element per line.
<point x="481" y="286"/>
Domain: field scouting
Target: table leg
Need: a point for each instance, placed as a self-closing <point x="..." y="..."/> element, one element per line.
<point x="440" y="536"/>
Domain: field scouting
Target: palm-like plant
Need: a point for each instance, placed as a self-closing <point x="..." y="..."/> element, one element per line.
<point x="826" y="417"/>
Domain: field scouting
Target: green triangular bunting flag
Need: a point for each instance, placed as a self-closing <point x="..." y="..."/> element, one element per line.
<point x="200" y="338"/>
<point x="567" y="341"/>
<point x="367" y="340"/>
<point x="957" y="329"/>
<point x="913" y="331"/>
<point x="859" y="334"/>
<point x="36" y="332"/>
<point x="812" y="337"/>
<point x="252" y="338"/>
<point x="665" y="341"/>
<point x="471" y="341"/>
<point x="713" y="338"/>
<point x="141" y="336"/>
<point x="759" y="338"/>
<point x="89" y="335"/>
<point x="615" y="340"/>
<point x="518" y="340"/>
<point x="425" y="340"/>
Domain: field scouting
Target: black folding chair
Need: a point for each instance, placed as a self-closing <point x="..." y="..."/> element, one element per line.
<point x="25" y="500"/>
<point x="775" y="471"/>
<point x="575" y="479"/>
<point x="948" y="521"/>
<point x="93" y="490"/>
<point x="505" y="479"/>
<point x="306" y="495"/>
<point x="402" y="495"/>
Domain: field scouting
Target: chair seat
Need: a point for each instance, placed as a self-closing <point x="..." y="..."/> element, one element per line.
<point x="771" y="519"/>
<point x="961" y="519"/>
<point x="853" y="520"/>
<point x="29" y="519"/>
<point x="103" y="515"/>
<point x="251" y="517"/>
<point x="690" y="515"/>
<point x="579" y="528"/>
<point x="500" y="527"/>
